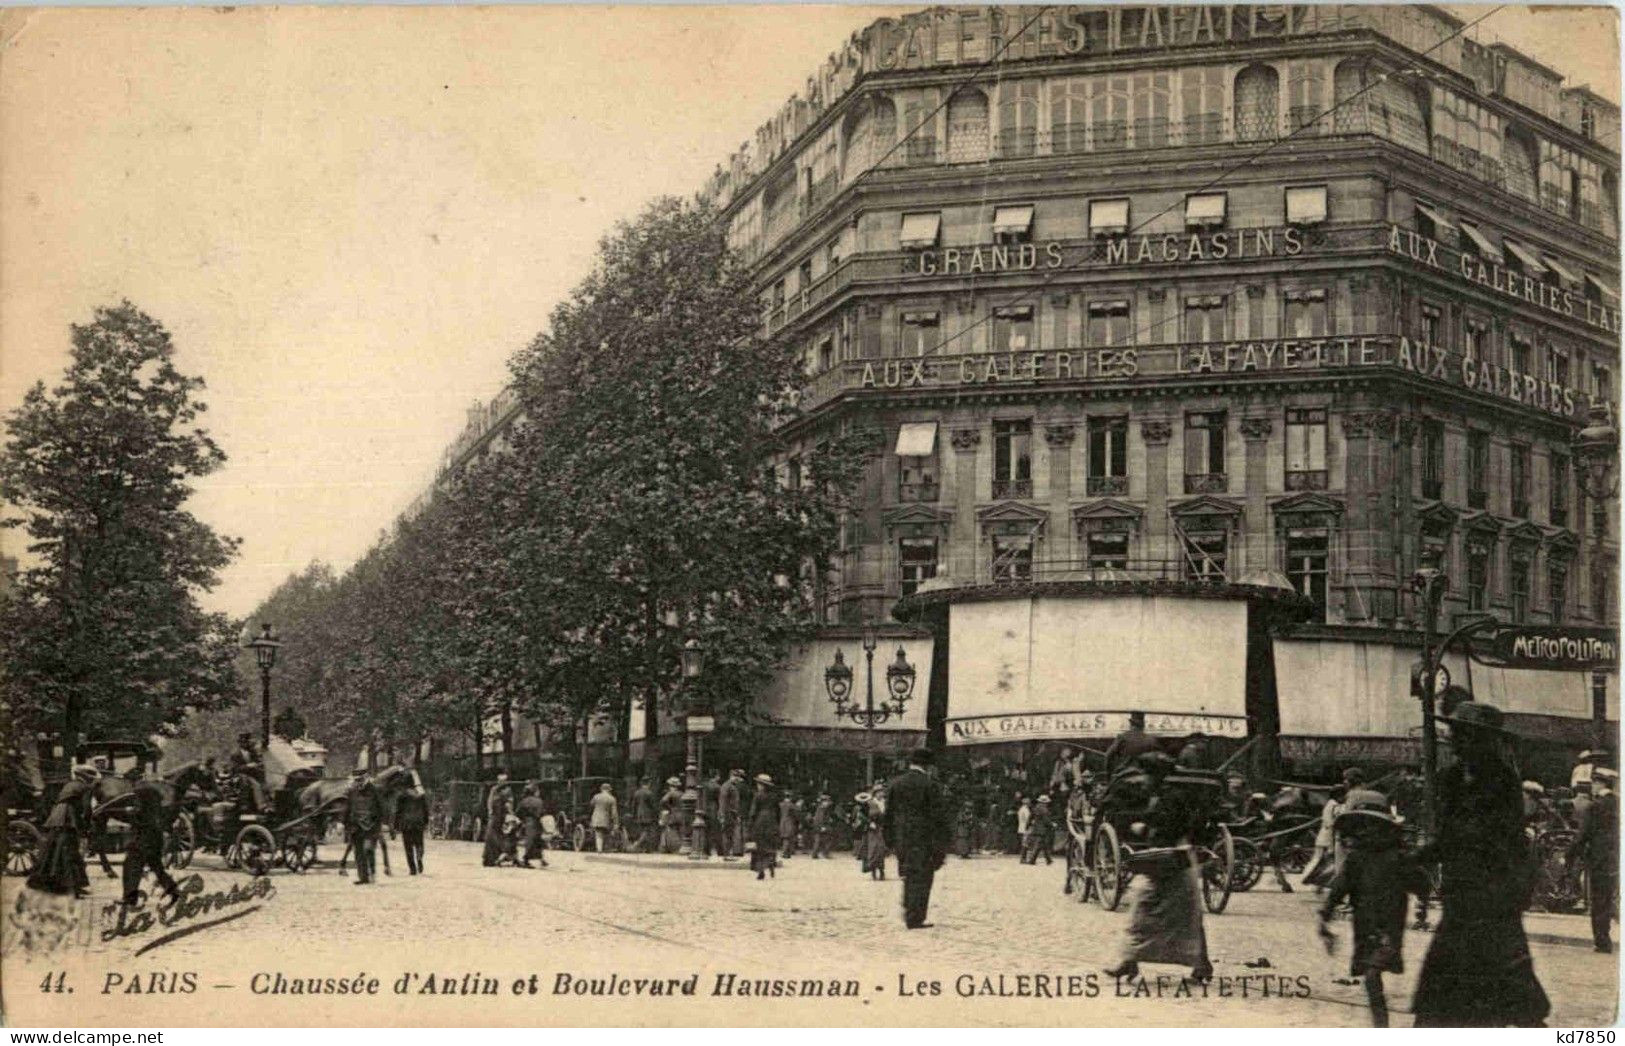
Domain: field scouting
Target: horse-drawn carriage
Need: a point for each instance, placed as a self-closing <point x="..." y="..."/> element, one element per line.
<point x="1107" y="836"/>
<point x="255" y="831"/>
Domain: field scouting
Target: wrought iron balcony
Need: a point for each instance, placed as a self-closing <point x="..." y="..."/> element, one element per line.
<point x="1102" y="486"/>
<point x="1205" y="482"/>
<point x="1307" y="479"/>
<point x="1012" y="488"/>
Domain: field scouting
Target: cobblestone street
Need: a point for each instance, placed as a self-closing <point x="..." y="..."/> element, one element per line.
<point x="1007" y="949"/>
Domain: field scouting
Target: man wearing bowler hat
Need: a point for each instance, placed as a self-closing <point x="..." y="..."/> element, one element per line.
<point x="1596" y="848"/>
<point x="918" y="826"/>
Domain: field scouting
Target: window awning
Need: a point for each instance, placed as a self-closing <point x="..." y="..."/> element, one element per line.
<point x="1205" y="208"/>
<point x="1108" y="308"/>
<point x="1441" y="224"/>
<point x="1012" y="219"/>
<point x="1600" y="288"/>
<point x="920" y="230"/>
<point x="917" y="439"/>
<point x="1482" y="244"/>
<point x="1526" y="257"/>
<point x="1312" y="294"/>
<point x="1108" y="215"/>
<point x="1563" y="272"/>
<point x="1306" y="204"/>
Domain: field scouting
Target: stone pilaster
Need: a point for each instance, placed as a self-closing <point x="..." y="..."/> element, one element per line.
<point x="1255" y="435"/>
<point x="1155" y="433"/>
<point x="1368" y="449"/>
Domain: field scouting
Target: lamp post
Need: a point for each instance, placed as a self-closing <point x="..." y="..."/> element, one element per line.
<point x="265" y="645"/>
<point x="693" y="664"/>
<point x="899" y="686"/>
<point x="1597" y="449"/>
<point x="1430" y="583"/>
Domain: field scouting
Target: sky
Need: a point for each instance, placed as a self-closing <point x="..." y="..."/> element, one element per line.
<point x="349" y="218"/>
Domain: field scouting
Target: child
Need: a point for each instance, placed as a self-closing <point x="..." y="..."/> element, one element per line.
<point x="1376" y="878"/>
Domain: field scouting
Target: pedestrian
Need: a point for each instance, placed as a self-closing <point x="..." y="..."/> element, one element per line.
<point x="145" y="848"/>
<point x="1024" y="822"/>
<point x="711" y="803"/>
<point x="1596" y="848"/>
<point x="874" y="839"/>
<point x="59" y="867"/>
<point x="363" y="816"/>
<point x="645" y="817"/>
<point x="917" y="823"/>
<point x="1040" y="832"/>
<point x="728" y="812"/>
<point x="1130" y="744"/>
<point x="1319" y="869"/>
<point x="1478" y="971"/>
<point x="496" y="801"/>
<point x="530" y="811"/>
<point x="789" y="825"/>
<point x="411" y="818"/>
<point x="965" y="830"/>
<point x="1165" y="924"/>
<point x="1377" y="878"/>
<point x="671" y="817"/>
<point x="606" y="816"/>
<point x="823" y="818"/>
<point x="762" y="835"/>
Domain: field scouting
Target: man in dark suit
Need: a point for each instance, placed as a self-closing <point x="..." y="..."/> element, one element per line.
<point x="1596" y="847"/>
<point x="411" y="818"/>
<point x="146" y="846"/>
<point x="917" y="827"/>
<point x="710" y="802"/>
<point x="1130" y="744"/>
<point x="363" y="817"/>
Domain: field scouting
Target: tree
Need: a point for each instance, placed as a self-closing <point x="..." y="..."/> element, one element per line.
<point x="104" y="635"/>
<point x="645" y="509"/>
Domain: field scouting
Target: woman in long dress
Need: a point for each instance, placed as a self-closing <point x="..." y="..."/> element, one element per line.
<point x="874" y="839"/>
<point x="1166" y="921"/>
<point x="762" y="836"/>
<point x="1478" y="971"/>
<point x="60" y="866"/>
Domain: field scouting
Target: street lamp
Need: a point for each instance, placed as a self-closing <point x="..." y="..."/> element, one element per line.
<point x="692" y="664"/>
<point x="1596" y="447"/>
<point x="265" y="645"/>
<point x="899" y="685"/>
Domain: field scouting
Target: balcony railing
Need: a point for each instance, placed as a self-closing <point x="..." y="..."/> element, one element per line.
<point x="1127" y="572"/>
<point x="1306" y="479"/>
<point x="1106" y="486"/>
<point x="1205" y="483"/>
<point x="916" y="492"/>
<point x="1012" y="488"/>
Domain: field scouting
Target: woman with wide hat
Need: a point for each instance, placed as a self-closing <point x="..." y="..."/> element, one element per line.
<point x="1478" y="971"/>
<point x="762" y="834"/>
<point x="60" y="867"/>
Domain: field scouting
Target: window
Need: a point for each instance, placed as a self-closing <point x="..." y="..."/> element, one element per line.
<point x="1204" y="210"/>
<point x="1478" y="577"/>
<point x="1429" y="222"/>
<point x="1520" y="354"/>
<point x="1474" y="340"/>
<point x="1204" y="452"/>
<point x="1432" y="326"/>
<point x="832" y="253"/>
<point x="1013" y="328"/>
<point x="1013" y="223"/>
<point x="1069" y="115"/>
<point x="1557" y="365"/>
<point x="1306" y="448"/>
<point x="1559" y="505"/>
<point x="1109" y="323"/>
<point x="967" y="127"/>
<point x="1306" y="558"/>
<point x="1478" y="469"/>
<point x="1306" y="204"/>
<point x="1205" y="554"/>
<point x="1432" y="460"/>
<point x="1477" y="243"/>
<point x="1205" y="317"/>
<point x="1306" y="96"/>
<point x="844" y="337"/>
<point x="918" y="560"/>
<point x="920" y="231"/>
<point x="1107" y="549"/>
<point x="1012" y="557"/>
<point x="1257" y="103"/>
<point x="1018" y="118"/>
<point x="1108" y="456"/>
<point x="1602" y="382"/>
<point x="917" y="461"/>
<point x="1202" y="94"/>
<point x="792" y="474"/>
<point x="920" y="125"/>
<point x="1305" y="314"/>
<point x="1109" y="111"/>
<point x="1599" y="591"/>
<point x="1151" y="101"/>
<point x="1520" y="480"/>
<point x="1522" y="259"/>
<point x="1012" y="459"/>
<point x="804" y="278"/>
<point x="1588" y="121"/>
<point x="826" y="353"/>
<point x="1108" y="217"/>
<point x="1557" y="592"/>
<point x="918" y="334"/>
<point x="1518" y="583"/>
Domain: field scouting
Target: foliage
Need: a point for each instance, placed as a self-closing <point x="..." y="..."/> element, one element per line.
<point x="103" y="636"/>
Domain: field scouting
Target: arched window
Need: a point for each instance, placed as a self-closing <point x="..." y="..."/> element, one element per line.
<point x="1350" y="105"/>
<point x="1397" y="114"/>
<point x="1150" y="110"/>
<point x="1201" y="94"/>
<point x="967" y="127"/>
<point x="920" y="127"/>
<point x="1257" y="107"/>
<point x="1518" y="156"/>
<point x="1069" y="115"/>
<point x="1018" y="118"/>
<point x="871" y="131"/>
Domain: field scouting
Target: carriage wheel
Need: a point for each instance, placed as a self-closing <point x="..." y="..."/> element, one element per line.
<point x="578" y="838"/>
<point x="22" y="847"/>
<point x="255" y="849"/>
<point x="299" y="852"/>
<point x="180" y="843"/>
<point x="1249" y="866"/>
<point x="1217" y="872"/>
<point x="1077" y="870"/>
<point x="1109" y="877"/>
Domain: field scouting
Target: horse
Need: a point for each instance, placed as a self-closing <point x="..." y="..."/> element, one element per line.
<point x="113" y="793"/>
<point x="329" y="798"/>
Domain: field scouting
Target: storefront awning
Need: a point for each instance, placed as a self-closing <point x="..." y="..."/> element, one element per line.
<point x="1600" y="288"/>
<point x="1012" y="219"/>
<point x="1526" y="257"/>
<point x="917" y="439"/>
<point x="1563" y="272"/>
<point x="1441" y="224"/>
<point x="920" y="230"/>
<point x="1481" y="243"/>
